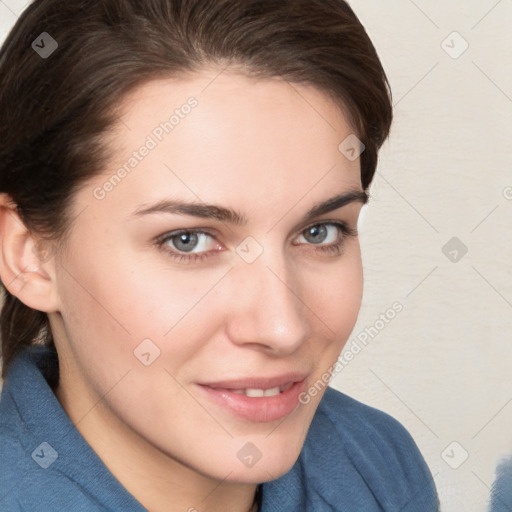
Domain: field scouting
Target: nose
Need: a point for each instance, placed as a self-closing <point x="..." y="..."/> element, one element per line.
<point x="268" y="308"/>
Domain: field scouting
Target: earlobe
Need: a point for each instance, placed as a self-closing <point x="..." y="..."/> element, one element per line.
<point x="23" y="271"/>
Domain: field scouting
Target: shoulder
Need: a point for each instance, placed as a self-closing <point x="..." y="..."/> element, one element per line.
<point x="501" y="492"/>
<point x="13" y="468"/>
<point x="30" y="480"/>
<point x="380" y="452"/>
<point x="25" y="476"/>
<point x="45" y="463"/>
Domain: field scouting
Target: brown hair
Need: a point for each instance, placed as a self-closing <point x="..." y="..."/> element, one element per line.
<point x="54" y="110"/>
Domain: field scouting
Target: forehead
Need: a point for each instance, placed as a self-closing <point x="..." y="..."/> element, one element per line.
<point x="212" y="135"/>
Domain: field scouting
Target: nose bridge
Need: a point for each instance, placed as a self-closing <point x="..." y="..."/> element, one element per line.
<point x="269" y="308"/>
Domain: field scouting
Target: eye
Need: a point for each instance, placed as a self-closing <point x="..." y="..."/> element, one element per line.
<point x="193" y="245"/>
<point x="328" y="236"/>
<point x="188" y="245"/>
<point x="321" y="234"/>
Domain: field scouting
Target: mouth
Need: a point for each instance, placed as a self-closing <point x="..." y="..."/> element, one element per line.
<point x="257" y="400"/>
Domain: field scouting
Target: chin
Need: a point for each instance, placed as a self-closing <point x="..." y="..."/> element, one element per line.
<point x="268" y="462"/>
<point x="262" y="471"/>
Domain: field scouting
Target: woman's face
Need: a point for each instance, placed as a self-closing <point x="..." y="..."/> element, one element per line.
<point x="157" y="299"/>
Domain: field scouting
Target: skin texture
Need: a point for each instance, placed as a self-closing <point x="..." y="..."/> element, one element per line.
<point x="266" y="149"/>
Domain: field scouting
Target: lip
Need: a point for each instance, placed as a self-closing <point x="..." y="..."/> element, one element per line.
<point x="256" y="409"/>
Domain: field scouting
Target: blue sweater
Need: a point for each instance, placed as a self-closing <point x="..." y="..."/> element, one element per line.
<point x="354" y="459"/>
<point x="501" y="492"/>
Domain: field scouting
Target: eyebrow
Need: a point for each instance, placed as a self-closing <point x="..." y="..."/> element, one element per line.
<point x="221" y="213"/>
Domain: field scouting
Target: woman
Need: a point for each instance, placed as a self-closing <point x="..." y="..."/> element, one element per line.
<point x="181" y="182"/>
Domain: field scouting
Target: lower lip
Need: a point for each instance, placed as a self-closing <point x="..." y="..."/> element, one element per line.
<point x="257" y="409"/>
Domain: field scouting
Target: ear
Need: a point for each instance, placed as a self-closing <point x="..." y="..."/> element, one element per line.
<point x="25" y="270"/>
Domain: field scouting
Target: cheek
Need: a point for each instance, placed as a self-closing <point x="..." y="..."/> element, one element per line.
<point x="335" y="296"/>
<point x="110" y="310"/>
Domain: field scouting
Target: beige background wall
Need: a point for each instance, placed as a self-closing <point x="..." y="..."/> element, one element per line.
<point x="442" y="365"/>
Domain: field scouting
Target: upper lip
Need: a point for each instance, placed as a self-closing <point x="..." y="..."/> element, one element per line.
<point x="257" y="382"/>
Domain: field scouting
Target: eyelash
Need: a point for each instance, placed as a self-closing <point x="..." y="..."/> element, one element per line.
<point x="333" y="248"/>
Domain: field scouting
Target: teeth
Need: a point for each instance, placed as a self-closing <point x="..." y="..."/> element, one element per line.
<point x="258" y="393"/>
<point x="262" y="392"/>
<point x="273" y="391"/>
